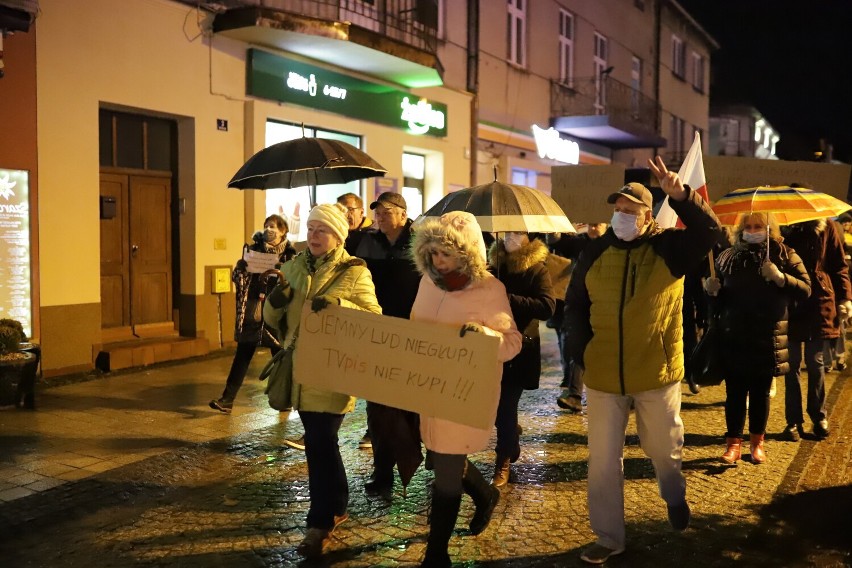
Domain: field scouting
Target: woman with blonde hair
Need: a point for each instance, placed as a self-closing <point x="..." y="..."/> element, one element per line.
<point x="457" y="289"/>
<point x="324" y="274"/>
<point x="756" y="280"/>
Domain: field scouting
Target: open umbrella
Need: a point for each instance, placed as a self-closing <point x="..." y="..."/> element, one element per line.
<point x="504" y="208"/>
<point x="305" y="162"/>
<point x="787" y="204"/>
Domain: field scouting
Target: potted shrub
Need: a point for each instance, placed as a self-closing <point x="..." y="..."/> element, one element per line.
<point x="18" y="364"/>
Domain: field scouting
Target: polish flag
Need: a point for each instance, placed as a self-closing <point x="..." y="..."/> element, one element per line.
<point x="692" y="174"/>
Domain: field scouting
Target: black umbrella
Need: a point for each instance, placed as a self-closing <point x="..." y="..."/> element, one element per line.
<point x="305" y="162"/>
<point x="504" y="207"/>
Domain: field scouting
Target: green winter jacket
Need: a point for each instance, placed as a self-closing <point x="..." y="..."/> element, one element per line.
<point x="351" y="283"/>
<point x="623" y="309"/>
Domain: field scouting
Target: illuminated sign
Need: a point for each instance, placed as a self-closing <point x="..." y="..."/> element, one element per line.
<point x="279" y="78"/>
<point x="550" y="144"/>
<point x="15" y="264"/>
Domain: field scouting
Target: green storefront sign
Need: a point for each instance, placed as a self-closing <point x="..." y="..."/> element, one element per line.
<point x="286" y="80"/>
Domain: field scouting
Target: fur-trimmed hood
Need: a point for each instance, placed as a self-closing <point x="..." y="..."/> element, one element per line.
<point x="456" y="232"/>
<point x="532" y="253"/>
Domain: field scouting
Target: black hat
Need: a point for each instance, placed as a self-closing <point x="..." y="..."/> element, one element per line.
<point x="390" y="198"/>
<point x="635" y="192"/>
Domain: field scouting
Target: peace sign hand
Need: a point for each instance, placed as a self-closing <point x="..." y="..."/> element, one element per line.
<point x="669" y="181"/>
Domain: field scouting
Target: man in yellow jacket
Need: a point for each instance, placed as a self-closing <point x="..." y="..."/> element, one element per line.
<point x="623" y="325"/>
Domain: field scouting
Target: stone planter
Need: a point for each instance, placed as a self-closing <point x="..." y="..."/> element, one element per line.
<point x="17" y="379"/>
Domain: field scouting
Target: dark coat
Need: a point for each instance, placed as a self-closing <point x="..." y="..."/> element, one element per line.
<point x="394" y="272"/>
<point x="820" y="247"/>
<point x="753" y="312"/>
<point x="528" y="284"/>
<point x="250" y="293"/>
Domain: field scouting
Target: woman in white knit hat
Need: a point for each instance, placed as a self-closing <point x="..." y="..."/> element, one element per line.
<point x="325" y="274"/>
<point x="456" y="288"/>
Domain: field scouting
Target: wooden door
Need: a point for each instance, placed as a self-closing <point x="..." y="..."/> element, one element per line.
<point x="150" y="250"/>
<point x="136" y="251"/>
<point x="115" y="252"/>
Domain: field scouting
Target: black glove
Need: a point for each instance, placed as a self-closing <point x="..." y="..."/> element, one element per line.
<point x="471" y="326"/>
<point x="322" y="302"/>
<point x="280" y="295"/>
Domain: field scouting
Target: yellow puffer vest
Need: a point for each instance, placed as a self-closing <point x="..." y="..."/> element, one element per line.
<point x="637" y="322"/>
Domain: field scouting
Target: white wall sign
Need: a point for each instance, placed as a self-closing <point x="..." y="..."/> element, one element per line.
<point x="551" y="145"/>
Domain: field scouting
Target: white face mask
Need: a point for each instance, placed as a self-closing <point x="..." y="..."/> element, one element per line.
<point x="513" y="241"/>
<point x="625" y="226"/>
<point x="754" y="238"/>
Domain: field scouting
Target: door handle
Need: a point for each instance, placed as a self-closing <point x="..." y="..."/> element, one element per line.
<point x="134" y="249"/>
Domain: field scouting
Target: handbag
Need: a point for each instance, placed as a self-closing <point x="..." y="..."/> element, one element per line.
<point x="706" y="361"/>
<point x="279" y="371"/>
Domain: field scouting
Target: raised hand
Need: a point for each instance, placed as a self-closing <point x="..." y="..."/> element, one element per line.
<point x="669" y="181"/>
<point x="470" y="326"/>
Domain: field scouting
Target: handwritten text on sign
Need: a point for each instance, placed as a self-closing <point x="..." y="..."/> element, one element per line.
<point x="417" y="366"/>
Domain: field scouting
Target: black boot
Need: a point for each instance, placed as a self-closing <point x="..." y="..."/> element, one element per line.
<point x="485" y="497"/>
<point x="445" y="511"/>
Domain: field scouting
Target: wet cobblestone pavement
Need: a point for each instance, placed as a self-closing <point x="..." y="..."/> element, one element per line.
<point x="237" y="497"/>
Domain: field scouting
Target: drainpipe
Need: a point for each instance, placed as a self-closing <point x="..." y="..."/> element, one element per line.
<point x="658" y="13"/>
<point x="473" y="81"/>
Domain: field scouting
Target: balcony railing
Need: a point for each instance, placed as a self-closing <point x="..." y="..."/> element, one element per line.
<point x="413" y="22"/>
<point x="604" y="96"/>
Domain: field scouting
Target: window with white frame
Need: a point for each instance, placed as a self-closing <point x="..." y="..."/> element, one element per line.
<point x="635" y="85"/>
<point x="676" y="136"/>
<point x="678" y="57"/>
<point x="600" y="66"/>
<point x="698" y="72"/>
<point x="516" y="28"/>
<point x="413" y="182"/>
<point x="566" y="48"/>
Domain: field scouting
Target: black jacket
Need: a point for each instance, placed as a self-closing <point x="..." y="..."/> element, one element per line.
<point x="394" y="273"/>
<point x="753" y="312"/>
<point x="527" y="281"/>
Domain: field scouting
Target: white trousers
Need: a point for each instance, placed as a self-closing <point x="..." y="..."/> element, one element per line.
<point x="661" y="438"/>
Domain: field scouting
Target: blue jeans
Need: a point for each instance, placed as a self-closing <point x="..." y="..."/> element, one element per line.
<point x="327" y="484"/>
<point x="816" y="382"/>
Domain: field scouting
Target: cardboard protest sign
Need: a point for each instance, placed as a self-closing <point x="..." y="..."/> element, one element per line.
<point x="581" y="191"/>
<point x="417" y="366"/>
<point x="259" y="262"/>
<point x="727" y="173"/>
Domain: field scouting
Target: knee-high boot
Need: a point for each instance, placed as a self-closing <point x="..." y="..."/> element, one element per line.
<point x="484" y="495"/>
<point x="445" y="511"/>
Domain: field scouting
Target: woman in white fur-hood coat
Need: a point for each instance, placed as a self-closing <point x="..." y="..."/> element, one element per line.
<point x="457" y="289"/>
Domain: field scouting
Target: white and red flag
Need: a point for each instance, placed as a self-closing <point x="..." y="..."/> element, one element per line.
<point x="691" y="173"/>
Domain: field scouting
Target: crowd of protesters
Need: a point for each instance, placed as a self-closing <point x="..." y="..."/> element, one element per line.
<point x="628" y="301"/>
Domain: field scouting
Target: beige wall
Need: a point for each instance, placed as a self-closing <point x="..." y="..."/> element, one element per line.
<point x="150" y="57"/>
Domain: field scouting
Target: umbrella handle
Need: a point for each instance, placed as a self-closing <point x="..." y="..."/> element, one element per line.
<point x="273" y="272"/>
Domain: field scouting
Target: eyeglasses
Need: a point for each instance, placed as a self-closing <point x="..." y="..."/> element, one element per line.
<point x="351" y="209"/>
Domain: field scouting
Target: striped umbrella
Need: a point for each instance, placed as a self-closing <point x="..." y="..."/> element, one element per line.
<point x="787" y="204"/>
<point x="504" y="207"/>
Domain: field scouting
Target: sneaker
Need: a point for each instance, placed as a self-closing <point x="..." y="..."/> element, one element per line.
<point x="840" y="365"/>
<point x="598" y="553"/>
<point x="821" y="429"/>
<point x="297" y="444"/>
<point x="314" y="543"/>
<point x="679" y="516"/>
<point x="570" y="402"/>
<point x="792" y="433"/>
<point x="222" y="405"/>
<point x="365" y="443"/>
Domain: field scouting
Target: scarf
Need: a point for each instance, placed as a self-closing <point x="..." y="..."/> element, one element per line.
<point x="454" y="280"/>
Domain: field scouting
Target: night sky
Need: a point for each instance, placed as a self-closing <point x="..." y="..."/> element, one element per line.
<point x="790" y="59"/>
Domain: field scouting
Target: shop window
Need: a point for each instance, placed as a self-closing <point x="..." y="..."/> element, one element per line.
<point x="521" y="176"/>
<point x="294" y="203"/>
<point x="413" y="182"/>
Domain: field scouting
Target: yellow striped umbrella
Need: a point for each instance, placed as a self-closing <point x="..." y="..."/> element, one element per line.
<point x="787" y="204"/>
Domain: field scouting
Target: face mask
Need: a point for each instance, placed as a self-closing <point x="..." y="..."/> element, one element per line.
<point x="271" y="235"/>
<point x="624" y="226"/>
<point x="754" y="238"/>
<point x="513" y="241"/>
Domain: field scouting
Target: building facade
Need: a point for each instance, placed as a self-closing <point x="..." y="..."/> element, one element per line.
<point x="128" y="119"/>
<point x="741" y="130"/>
